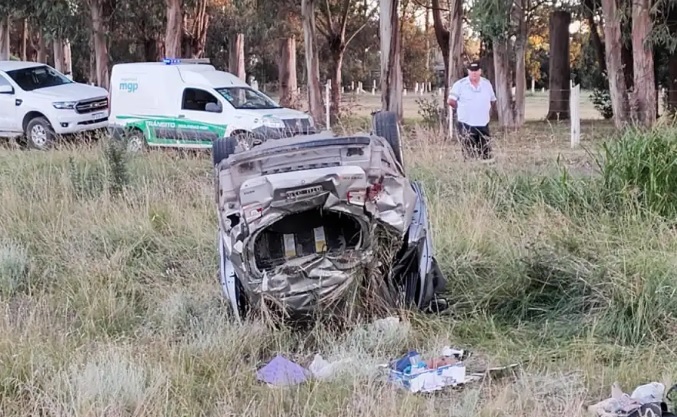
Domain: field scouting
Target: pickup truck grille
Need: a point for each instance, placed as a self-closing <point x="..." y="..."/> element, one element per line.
<point x="89" y="106"/>
<point x="296" y="126"/>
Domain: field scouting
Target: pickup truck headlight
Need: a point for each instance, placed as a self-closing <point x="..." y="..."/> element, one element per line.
<point x="273" y="122"/>
<point x="64" y="105"/>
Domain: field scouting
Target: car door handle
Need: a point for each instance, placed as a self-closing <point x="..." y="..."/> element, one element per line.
<point x="181" y="116"/>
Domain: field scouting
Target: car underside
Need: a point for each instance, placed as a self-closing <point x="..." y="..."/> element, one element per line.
<point x="302" y="220"/>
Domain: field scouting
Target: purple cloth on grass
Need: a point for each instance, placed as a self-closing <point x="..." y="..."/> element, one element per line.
<point x="281" y="371"/>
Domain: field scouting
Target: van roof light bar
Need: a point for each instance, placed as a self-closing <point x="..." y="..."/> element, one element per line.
<point x="176" y="61"/>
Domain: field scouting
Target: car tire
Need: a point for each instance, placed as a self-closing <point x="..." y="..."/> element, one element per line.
<point x="222" y="149"/>
<point x="136" y="141"/>
<point x="39" y="133"/>
<point x="386" y="125"/>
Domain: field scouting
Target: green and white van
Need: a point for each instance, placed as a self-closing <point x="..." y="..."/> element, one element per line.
<point x="187" y="104"/>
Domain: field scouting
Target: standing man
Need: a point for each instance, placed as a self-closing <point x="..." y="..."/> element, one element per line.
<point x="473" y="97"/>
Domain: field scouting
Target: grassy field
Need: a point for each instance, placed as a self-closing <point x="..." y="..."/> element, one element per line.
<point x="111" y="305"/>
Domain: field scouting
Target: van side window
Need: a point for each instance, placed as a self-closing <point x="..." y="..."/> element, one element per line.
<point x="3" y="80"/>
<point x="195" y="99"/>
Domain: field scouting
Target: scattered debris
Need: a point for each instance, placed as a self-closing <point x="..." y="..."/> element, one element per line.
<point x="416" y="374"/>
<point x="645" y="400"/>
<point x="282" y="372"/>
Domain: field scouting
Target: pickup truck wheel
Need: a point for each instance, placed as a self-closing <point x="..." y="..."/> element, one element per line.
<point x="39" y="133"/>
<point x="385" y="125"/>
<point x="136" y="141"/>
<point x="223" y="148"/>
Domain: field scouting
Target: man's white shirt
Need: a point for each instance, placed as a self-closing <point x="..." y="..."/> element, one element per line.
<point x="474" y="103"/>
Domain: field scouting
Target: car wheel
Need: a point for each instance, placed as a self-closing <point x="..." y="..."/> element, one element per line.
<point x="136" y="141"/>
<point x="39" y="133"/>
<point x="386" y="125"/>
<point x="222" y="149"/>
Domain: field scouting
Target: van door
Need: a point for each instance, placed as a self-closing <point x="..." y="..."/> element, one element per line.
<point x="8" y="113"/>
<point x="201" y="120"/>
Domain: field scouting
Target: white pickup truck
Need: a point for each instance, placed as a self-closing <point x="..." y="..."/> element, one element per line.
<point x="39" y="102"/>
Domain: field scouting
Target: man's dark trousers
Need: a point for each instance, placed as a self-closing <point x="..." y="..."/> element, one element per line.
<point x="476" y="140"/>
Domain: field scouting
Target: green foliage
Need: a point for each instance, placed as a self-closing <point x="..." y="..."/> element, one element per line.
<point x="118" y="171"/>
<point x="431" y="113"/>
<point x="641" y="168"/>
<point x="601" y="99"/>
<point x="491" y="18"/>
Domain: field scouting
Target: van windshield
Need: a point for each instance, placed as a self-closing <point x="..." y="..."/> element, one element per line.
<point x="33" y="78"/>
<point x="247" y="98"/>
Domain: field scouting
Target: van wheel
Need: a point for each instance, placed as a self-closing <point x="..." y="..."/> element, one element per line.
<point x="223" y="148"/>
<point x="385" y="125"/>
<point x="136" y="141"/>
<point x="39" y="133"/>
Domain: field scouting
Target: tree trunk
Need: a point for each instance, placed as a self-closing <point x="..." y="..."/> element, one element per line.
<point x="100" y="45"/>
<point x="151" y="51"/>
<point x="442" y="35"/>
<point x="643" y="68"/>
<point x="287" y="73"/>
<point x="42" y="48"/>
<point x="92" y="62"/>
<point x="487" y="64"/>
<point x="174" y="29"/>
<point x="614" y="63"/>
<point x="4" y="38"/>
<point x="560" y="70"/>
<point x="236" y="57"/>
<point x="336" y="65"/>
<point x="391" y="69"/>
<point x="506" y="114"/>
<point x="196" y="26"/>
<point x="455" y="68"/>
<point x="595" y="39"/>
<point x="312" y="61"/>
<point x="57" y="53"/>
<point x="521" y="63"/>
<point x="24" y="39"/>
<point x="67" y="59"/>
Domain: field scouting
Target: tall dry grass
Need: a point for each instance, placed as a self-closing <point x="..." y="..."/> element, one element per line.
<point x="111" y="304"/>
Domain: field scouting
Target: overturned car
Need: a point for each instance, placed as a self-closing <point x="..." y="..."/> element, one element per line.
<point x="301" y="219"/>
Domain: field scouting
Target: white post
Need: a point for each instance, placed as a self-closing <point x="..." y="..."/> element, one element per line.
<point x="373" y="89"/>
<point x="574" y="115"/>
<point x="327" y="98"/>
<point x="451" y="122"/>
<point x="533" y="86"/>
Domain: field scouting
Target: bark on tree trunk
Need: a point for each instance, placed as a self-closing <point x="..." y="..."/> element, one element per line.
<point x="455" y="67"/>
<point x="506" y="114"/>
<point x="312" y="62"/>
<point x="391" y="69"/>
<point x="643" y="68"/>
<point x="42" y="48"/>
<point x="560" y="70"/>
<point x="174" y="30"/>
<point x="521" y="63"/>
<point x="442" y="35"/>
<point x="100" y="45"/>
<point x="595" y="39"/>
<point x="196" y="26"/>
<point x="24" y="40"/>
<point x="336" y="65"/>
<point x="487" y="64"/>
<point x="57" y="52"/>
<point x="287" y="73"/>
<point x="67" y="59"/>
<point x="4" y="38"/>
<point x="614" y="63"/>
<point x="92" y="62"/>
<point x="236" y="57"/>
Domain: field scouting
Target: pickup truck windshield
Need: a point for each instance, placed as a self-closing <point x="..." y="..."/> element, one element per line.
<point x="33" y="78"/>
<point x="247" y="98"/>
